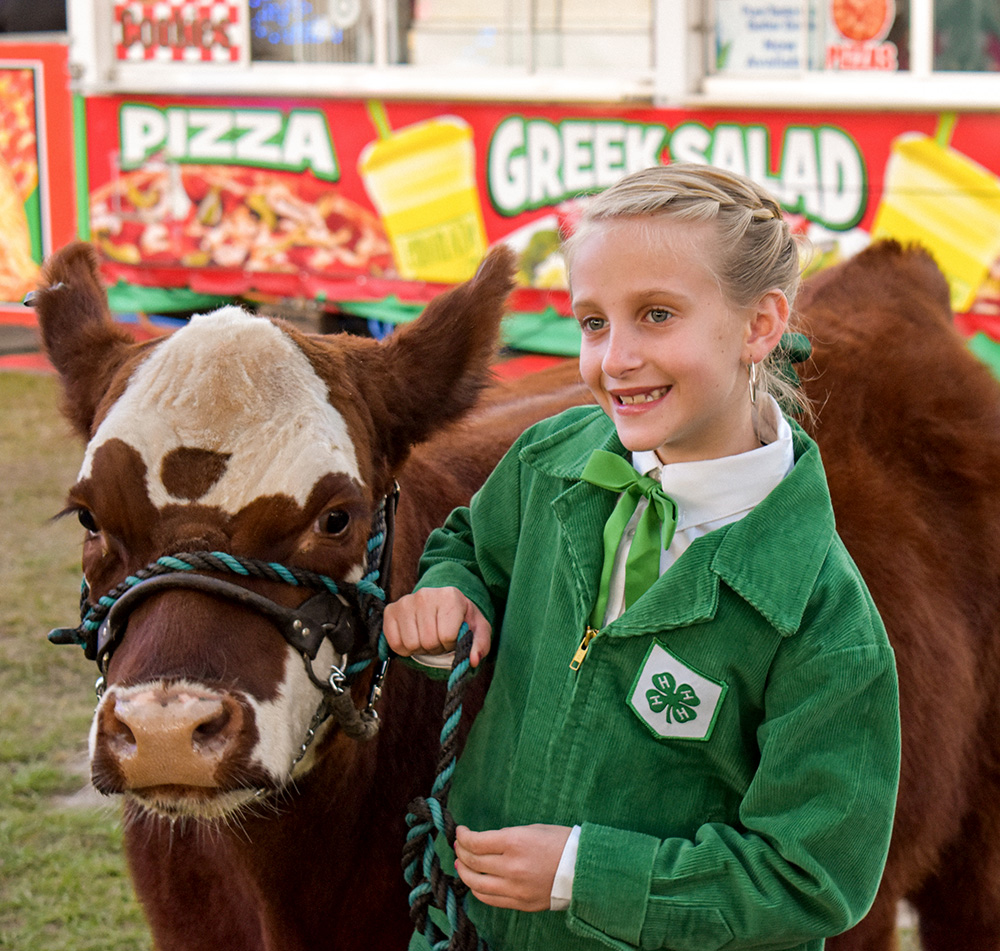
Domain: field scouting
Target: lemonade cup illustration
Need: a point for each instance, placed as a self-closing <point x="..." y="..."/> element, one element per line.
<point x="422" y="181"/>
<point x="940" y="198"/>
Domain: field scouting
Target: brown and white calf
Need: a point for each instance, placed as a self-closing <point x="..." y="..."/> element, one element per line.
<point x="243" y="436"/>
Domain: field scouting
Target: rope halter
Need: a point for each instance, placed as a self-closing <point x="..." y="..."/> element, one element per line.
<point x="335" y="613"/>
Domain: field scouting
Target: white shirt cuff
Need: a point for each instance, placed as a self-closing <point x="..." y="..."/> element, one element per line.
<point x="562" y="885"/>
<point x="443" y="661"/>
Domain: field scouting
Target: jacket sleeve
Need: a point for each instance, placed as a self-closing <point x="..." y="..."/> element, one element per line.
<point x="807" y="855"/>
<point x="474" y="550"/>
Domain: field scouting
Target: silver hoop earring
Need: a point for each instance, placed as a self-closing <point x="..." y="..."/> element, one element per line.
<point x="753" y="382"/>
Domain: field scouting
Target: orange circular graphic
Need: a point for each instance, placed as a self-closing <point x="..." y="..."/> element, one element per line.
<point x="862" y="20"/>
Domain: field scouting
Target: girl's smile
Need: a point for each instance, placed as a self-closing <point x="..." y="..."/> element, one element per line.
<point x="640" y="398"/>
<point x="663" y="350"/>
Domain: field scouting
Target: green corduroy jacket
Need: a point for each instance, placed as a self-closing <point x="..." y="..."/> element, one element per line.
<point x="729" y="745"/>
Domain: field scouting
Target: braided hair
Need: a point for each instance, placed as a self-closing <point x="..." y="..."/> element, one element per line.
<point x="757" y="252"/>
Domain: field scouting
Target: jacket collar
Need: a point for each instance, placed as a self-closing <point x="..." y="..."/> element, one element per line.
<point x="771" y="558"/>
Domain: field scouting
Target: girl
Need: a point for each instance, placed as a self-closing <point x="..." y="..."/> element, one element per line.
<point x="710" y="761"/>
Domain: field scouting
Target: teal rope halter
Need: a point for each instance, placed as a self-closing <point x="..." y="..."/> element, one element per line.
<point x="430" y="886"/>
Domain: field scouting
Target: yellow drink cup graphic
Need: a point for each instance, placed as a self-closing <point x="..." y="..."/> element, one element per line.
<point x="948" y="203"/>
<point x="422" y="180"/>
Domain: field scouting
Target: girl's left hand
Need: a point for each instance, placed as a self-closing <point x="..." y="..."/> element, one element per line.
<point x="513" y="867"/>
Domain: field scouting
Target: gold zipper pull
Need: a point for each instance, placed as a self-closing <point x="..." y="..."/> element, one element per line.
<point x="581" y="651"/>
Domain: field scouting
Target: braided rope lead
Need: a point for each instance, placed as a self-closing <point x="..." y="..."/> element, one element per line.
<point x="430" y="885"/>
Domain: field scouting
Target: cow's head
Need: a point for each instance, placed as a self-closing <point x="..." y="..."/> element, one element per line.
<point x="243" y="436"/>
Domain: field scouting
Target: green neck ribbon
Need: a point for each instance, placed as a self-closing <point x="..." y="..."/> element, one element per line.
<point x="653" y="533"/>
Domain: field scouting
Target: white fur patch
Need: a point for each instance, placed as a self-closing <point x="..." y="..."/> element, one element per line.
<point x="282" y="723"/>
<point x="231" y="383"/>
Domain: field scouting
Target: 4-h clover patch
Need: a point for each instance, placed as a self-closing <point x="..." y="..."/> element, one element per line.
<point x="673" y="699"/>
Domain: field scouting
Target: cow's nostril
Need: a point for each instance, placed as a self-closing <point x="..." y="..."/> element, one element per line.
<point x="213" y="727"/>
<point x="120" y="737"/>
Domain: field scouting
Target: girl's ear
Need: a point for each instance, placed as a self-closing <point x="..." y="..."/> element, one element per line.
<point x="768" y="321"/>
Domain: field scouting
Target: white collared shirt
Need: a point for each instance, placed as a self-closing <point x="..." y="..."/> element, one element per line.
<point x="708" y="493"/>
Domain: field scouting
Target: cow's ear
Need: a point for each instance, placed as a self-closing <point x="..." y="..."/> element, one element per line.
<point x="79" y="335"/>
<point x="430" y="372"/>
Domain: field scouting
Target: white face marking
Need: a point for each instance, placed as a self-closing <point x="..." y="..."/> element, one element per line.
<point x="231" y="383"/>
<point x="282" y="722"/>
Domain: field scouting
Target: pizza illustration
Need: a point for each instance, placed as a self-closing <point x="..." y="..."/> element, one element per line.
<point x="234" y="217"/>
<point x="18" y="180"/>
<point x="862" y="20"/>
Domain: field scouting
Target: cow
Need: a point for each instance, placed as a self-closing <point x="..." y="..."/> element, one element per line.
<point x="246" y="437"/>
<point x="240" y="435"/>
<point x="908" y="423"/>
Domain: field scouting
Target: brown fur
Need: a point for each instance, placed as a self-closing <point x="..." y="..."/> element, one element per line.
<point x="190" y="473"/>
<point x="909" y="426"/>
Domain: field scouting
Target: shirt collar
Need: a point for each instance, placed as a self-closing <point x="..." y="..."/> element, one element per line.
<point x="710" y="490"/>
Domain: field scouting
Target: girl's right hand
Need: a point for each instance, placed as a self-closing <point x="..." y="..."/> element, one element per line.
<point x="428" y="622"/>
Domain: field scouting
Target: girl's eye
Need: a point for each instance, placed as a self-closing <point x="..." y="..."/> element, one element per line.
<point x="87" y="520"/>
<point x="658" y="315"/>
<point x="591" y="325"/>
<point x="334" y="522"/>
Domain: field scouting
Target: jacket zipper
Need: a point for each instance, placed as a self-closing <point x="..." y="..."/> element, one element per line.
<point x="581" y="651"/>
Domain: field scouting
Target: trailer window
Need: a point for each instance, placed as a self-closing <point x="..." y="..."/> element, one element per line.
<point x="758" y="38"/>
<point x="322" y="31"/>
<point x="872" y="35"/>
<point x="966" y="36"/>
<point x="447" y="34"/>
<point x="863" y="53"/>
<point x="590" y="35"/>
<point x="866" y="54"/>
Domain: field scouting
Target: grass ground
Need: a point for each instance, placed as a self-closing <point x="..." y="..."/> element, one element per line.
<point x="63" y="883"/>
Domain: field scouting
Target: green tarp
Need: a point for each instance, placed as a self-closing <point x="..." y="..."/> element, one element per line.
<point x="987" y="350"/>
<point x="129" y="298"/>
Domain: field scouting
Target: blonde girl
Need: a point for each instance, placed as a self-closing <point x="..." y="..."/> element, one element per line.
<point x="691" y="737"/>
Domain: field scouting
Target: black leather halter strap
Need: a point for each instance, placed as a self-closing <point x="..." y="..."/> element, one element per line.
<point x="323" y="616"/>
<point x="338" y="612"/>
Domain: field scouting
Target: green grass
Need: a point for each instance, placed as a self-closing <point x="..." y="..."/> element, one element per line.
<point x="63" y="882"/>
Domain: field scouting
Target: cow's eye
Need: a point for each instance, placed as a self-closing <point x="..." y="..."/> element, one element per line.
<point x="334" y="522"/>
<point x="87" y="520"/>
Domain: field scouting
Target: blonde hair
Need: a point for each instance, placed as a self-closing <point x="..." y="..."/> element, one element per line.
<point x="757" y="252"/>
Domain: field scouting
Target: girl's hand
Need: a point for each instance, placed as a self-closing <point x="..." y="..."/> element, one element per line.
<point x="513" y="867"/>
<point x="428" y="622"/>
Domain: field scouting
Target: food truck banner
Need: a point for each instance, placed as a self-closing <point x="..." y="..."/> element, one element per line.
<point x="37" y="197"/>
<point x="351" y="200"/>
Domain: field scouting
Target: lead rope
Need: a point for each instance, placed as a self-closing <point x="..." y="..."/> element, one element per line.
<point x="430" y="885"/>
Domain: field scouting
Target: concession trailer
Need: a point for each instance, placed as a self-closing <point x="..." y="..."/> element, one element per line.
<point x="350" y="158"/>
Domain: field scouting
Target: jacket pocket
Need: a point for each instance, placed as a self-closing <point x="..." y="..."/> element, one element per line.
<point x="682" y="926"/>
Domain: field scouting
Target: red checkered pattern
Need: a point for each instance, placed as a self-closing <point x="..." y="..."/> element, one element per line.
<point x="185" y="31"/>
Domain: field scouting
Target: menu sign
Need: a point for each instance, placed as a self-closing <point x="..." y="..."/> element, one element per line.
<point x="753" y="36"/>
<point x="37" y="173"/>
<point x="857" y="31"/>
<point x="186" y="31"/>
